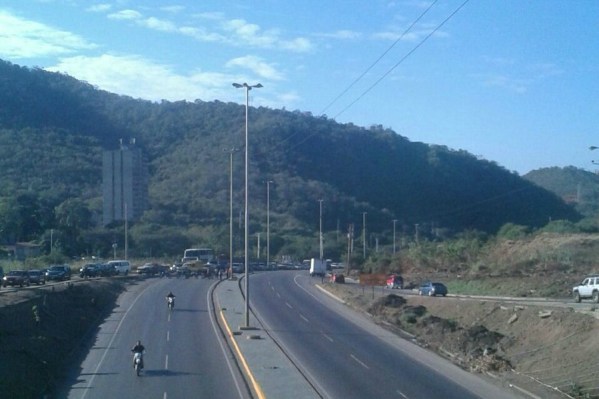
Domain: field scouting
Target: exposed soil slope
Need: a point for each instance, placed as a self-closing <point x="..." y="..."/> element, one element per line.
<point x="551" y="352"/>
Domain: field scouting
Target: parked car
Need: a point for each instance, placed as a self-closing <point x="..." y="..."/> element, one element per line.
<point x="150" y="269"/>
<point x="89" y="270"/>
<point x="105" y="270"/>
<point x="120" y="266"/>
<point x="395" y="281"/>
<point x="16" y="277"/>
<point x="432" y="289"/>
<point x="58" y="273"/>
<point x="587" y="289"/>
<point x="36" y="277"/>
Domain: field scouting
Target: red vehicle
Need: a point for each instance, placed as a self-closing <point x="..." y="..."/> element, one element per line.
<point x="395" y="281"/>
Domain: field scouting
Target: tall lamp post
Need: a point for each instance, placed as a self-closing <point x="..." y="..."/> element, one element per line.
<point x="320" y="230"/>
<point x="230" y="266"/>
<point x="364" y="234"/>
<point x="394" y="221"/>
<point x="246" y="238"/>
<point x="268" y="223"/>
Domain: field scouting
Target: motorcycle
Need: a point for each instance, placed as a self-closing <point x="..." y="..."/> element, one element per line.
<point x="171" y="302"/>
<point x="138" y="362"/>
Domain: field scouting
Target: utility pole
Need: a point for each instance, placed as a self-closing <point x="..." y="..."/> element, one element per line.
<point x="350" y="234"/>
<point x="394" y="221"/>
<point x="364" y="234"/>
<point x="320" y="230"/>
<point x="268" y="224"/>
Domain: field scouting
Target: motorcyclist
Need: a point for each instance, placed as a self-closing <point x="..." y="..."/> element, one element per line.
<point x="138" y="348"/>
<point x="170" y="298"/>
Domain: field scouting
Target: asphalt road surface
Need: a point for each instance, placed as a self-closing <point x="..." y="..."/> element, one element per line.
<point x="345" y="355"/>
<point x="185" y="356"/>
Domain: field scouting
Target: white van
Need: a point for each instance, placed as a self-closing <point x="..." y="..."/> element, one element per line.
<point x="120" y="266"/>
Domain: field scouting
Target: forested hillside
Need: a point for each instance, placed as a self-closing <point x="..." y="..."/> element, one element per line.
<point x="54" y="128"/>
<point x="576" y="186"/>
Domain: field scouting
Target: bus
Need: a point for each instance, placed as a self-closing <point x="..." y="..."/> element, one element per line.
<point x="198" y="254"/>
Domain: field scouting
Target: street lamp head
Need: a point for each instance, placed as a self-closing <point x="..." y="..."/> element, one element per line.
<point x="593" y="147"/>
<point x="247" y="86"/>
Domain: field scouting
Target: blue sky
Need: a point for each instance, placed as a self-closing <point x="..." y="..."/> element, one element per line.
<point x="510" y="81"/>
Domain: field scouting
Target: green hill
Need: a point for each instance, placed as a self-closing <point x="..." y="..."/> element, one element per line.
<point x="54" y="128"/>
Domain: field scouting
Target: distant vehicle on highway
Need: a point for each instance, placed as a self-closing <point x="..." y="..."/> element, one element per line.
<point x="432" y="289"/>
<point x="203" y="255"/>
<point x="89" y="270"/>
<point x="58" y="273"/>
<point x="238" y="267"/>
<point x="36" y="277"/>
<point x="151" y="269"/>
<point x="587" y="289"/>
<point x="395" y="281"/>
<point x="122" y="267"/>
<point x="318" y="267"/>
<point x="16" y="277"/>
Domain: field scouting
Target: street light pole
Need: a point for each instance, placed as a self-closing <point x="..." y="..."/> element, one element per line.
<point x="364" y="234"/>
<point x="320" y="230"/>
<point x="268" y="223"/>
<point x="246" y="238"/>
<point x="230" y="266"/>
<point x="394" y="221"/>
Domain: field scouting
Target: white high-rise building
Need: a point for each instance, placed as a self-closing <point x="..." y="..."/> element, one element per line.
<point x="124" y="184"/>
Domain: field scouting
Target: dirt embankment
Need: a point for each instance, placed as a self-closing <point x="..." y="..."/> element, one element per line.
<point x="41" y="330"/>
<point x="550" y="352"/>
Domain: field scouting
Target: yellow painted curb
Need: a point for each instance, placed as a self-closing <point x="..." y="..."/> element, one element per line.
<point x="257" y="386"/>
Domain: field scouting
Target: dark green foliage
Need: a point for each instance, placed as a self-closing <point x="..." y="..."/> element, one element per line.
<point x="53" y="130"/>
<point x="576" y="186"/>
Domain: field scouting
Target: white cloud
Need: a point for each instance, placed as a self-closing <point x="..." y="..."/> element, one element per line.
<point x="257" y="66"/>
<point x="515" y="85"/>
<point x="158" y="24"/>
<point x="343" y="34"/>
<point x="21" y="38"/>
<point x="100" y="8"/>
<point x="136" y="76"/>
<point x="126" y="15"/>
<point x="248" y="34"/>
<point x="201" y="34"/>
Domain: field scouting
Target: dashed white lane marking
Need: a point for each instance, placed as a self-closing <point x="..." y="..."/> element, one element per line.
<point x="288" y="305"/>
<point x="327" y="337"/>
<point x="304" y="318"/>
<point x="166" y="363"/>
<point x="168" y="336"/>
<point x="361" y="363"/>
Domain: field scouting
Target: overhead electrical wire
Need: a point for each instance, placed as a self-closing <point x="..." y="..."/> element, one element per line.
<point x="405" y="32"/>
<point x="402" y="59"/>
<point x="409" y="53"/>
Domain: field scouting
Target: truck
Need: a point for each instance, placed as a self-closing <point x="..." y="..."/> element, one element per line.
<point x="318" y="267"/>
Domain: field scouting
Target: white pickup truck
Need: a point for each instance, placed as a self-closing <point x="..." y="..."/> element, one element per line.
<point x="589" y="288"/>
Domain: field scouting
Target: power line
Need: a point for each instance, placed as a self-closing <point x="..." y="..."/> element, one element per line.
<point x="405" y="32"/>
<point x="385" y="74"/>
<point x="402" y="59"/>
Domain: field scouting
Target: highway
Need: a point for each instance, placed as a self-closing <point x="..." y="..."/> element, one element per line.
<point x="345" y="355"/>
<point x="185" y="355"/>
